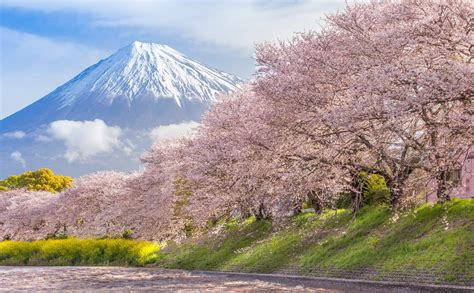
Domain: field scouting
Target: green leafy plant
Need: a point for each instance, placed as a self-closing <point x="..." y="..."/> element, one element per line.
<point x="374" y="189"/>
<point x="128" y="234"/>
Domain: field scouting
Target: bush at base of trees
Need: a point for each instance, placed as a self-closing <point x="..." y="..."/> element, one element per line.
<point x="374" y="190"/>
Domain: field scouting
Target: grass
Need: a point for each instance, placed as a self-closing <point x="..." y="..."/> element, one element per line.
<point x="428" y="238"/>
<point x="209" y="255"/>
<point x="75" y="252"/>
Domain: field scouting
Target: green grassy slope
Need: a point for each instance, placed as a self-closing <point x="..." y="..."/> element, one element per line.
<point x="435" y="239"/>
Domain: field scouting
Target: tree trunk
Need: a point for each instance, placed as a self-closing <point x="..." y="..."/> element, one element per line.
<point x="396" y="185"/>
<point x="442" y="190"/>
<point x="261" y="212"/>
<point x="315" y="202"/>
<point x="396" y="191"/>
<point x="356" y="192"/>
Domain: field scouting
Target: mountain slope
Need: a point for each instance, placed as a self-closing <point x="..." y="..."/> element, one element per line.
<point x="156" y="81"/>
<point x="108" y="114"/>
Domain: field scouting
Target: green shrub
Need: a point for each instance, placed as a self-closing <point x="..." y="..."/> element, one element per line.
<point x="188" y="229"/>
<point x="374" y="189"/>
<point x="57" y="236"/>
<point x="344" y="201"/>
<point x="128" y="234"/>
<point x="374" y="192"/>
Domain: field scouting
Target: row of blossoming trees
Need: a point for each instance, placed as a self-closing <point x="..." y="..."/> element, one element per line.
<point x="384" y="88"/>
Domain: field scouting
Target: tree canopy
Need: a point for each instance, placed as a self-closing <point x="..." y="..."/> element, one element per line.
<point x="41" y="179"/>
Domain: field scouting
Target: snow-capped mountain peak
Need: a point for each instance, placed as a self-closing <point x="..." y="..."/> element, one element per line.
<point x="122" y="99"/>
<point x="147" y="70"/>
<point x="150" y="84"/>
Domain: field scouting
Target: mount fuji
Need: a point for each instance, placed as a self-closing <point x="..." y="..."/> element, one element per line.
<point x="148" y="83"/>
<point x="141" y="89"/>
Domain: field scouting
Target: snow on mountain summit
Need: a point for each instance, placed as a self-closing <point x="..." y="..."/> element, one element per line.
<point x="111" y="112"/>
<point x="147" y="69"/>
<point x="142" y="85"/>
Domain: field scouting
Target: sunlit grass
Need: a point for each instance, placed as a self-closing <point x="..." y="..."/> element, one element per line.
<point x="430" y="237"/>
<point x="212" y="254"/>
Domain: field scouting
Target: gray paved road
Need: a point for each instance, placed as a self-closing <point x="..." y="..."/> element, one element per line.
<point x="118" y="279"/>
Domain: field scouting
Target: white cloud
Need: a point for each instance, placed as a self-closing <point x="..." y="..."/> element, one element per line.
<point x="17" y="156"/>
<point x="38" y="62"/>
<point x="42" y="138"/>
<point x="173" y="131"/>
<point x="127" y="146"/>
<point x="84" y="139"/>
<point x="15" y="134"/>
<point x="233" y="24"/>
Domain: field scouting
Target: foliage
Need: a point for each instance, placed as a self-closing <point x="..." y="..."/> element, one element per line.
<point x="352" y="88"/>
<point x="74" y="252"/>
<point x="57" y="236"/>
<point x="431" y="237"/>
<point x="41" y="179"/>
<point x="374" y="189"/>
<point x="128" y="234"/>
<point x="344" y="201"/>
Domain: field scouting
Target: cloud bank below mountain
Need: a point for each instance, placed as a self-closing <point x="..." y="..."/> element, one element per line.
<point x="84" y="139"/>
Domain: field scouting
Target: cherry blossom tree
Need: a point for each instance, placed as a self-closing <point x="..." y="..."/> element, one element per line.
<point x="421" y="69"/>
<point x="22" y="212"/>
<point x="382" y="83"/>
<point x="103" y="204"/>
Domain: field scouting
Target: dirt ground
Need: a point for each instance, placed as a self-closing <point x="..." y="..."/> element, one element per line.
<point x="119" y="279"/>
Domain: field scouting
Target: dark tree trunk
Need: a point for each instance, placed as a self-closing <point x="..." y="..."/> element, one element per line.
<point x="396" y="193"/>
<point x="356" y="192"/>
<point x="261" y="212"/>
<point x="297" y="209"/>
<point x="315" y="202"/>
<point x="396" y="185"/>
<point x="442" y="190"/>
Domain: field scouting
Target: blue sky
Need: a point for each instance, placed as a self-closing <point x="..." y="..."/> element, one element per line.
<point x="45" y="43"/>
